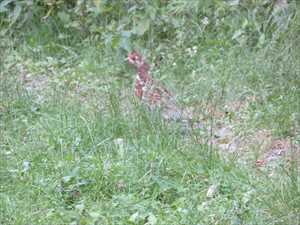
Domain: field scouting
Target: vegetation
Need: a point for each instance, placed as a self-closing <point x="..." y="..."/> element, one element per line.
<point x="76" y="147"/>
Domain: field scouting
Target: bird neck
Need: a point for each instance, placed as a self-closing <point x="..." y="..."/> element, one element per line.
<point x="143" y="72"/>
<point x="141" y="80"/>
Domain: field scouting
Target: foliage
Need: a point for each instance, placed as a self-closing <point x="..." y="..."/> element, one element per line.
<point x="124" y="24"/>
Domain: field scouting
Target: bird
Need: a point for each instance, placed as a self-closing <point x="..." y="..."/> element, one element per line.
<point x="155" y="95"/>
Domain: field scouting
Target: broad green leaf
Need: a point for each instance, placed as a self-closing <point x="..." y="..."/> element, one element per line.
<point x="142" y="27"/>
<point x="233" y="2"/>
<point x="125" y="43"/>
<point x="64" y="17"/>
<point x="237" y="34"/>
<point x="115" y="42"/>
<point x="126" y="33"/>
<point x="4" y="4"/>
<point x="66" y="179"/>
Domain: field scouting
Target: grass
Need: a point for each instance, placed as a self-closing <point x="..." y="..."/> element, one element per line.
<point x="81" y="150"/>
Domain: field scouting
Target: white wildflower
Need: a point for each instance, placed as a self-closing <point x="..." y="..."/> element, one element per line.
<point x="194" y="73"/>
<point x="119" y="142"/>
<point x="195" y="49"/>
<point x="26" y="166"/>
<point x="192" y="51"/>
<point x="212" y="190"/>
<point x="205" y="21"/>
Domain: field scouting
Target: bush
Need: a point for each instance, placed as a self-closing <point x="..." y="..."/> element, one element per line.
<point x="119" y="24"/>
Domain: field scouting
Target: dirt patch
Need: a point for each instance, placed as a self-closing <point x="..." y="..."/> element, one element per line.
<point x="260" y="144"/>
<point x="267" y="148"/>
<point x="278" y="149"/>
<point x="33" y="83"/>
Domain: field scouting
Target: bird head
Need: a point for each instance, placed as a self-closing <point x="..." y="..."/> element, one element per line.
<point x="134" y="58"/>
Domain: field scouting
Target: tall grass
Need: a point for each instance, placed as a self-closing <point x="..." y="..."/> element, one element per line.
<point x="80" y="149"/>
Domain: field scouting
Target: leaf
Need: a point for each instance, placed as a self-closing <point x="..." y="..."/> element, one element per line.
<point x="261" y="39"/>
<point x="64" y="17"/>
<point x="152" y="11"/>
<point x="212" y="190"/>
<point x="245" y="24"/>
<point x="67" y="179"/>
<point x="134" y="217"/>
<point x="125" y="44"/>
<point x="3" y="32"/>
<point x="75" y="24"/>
<point x="26" y="166"/>
<point x="175" y="22"/>
<point x="237" y="34"/>
<point x="151" y="220"/>
<point x="115" y="42"/>
<point x="15" y="14"/>
<point x="4" y="4"/>
<point x="95" y="215"/>
<point x="142" y="27"/>
<point x="126" y="34"/>
<point x="74" y="173"/>
<point x="233" y="2"/>
<point x="125" y="41"/>
<point x="97" y="3"/>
